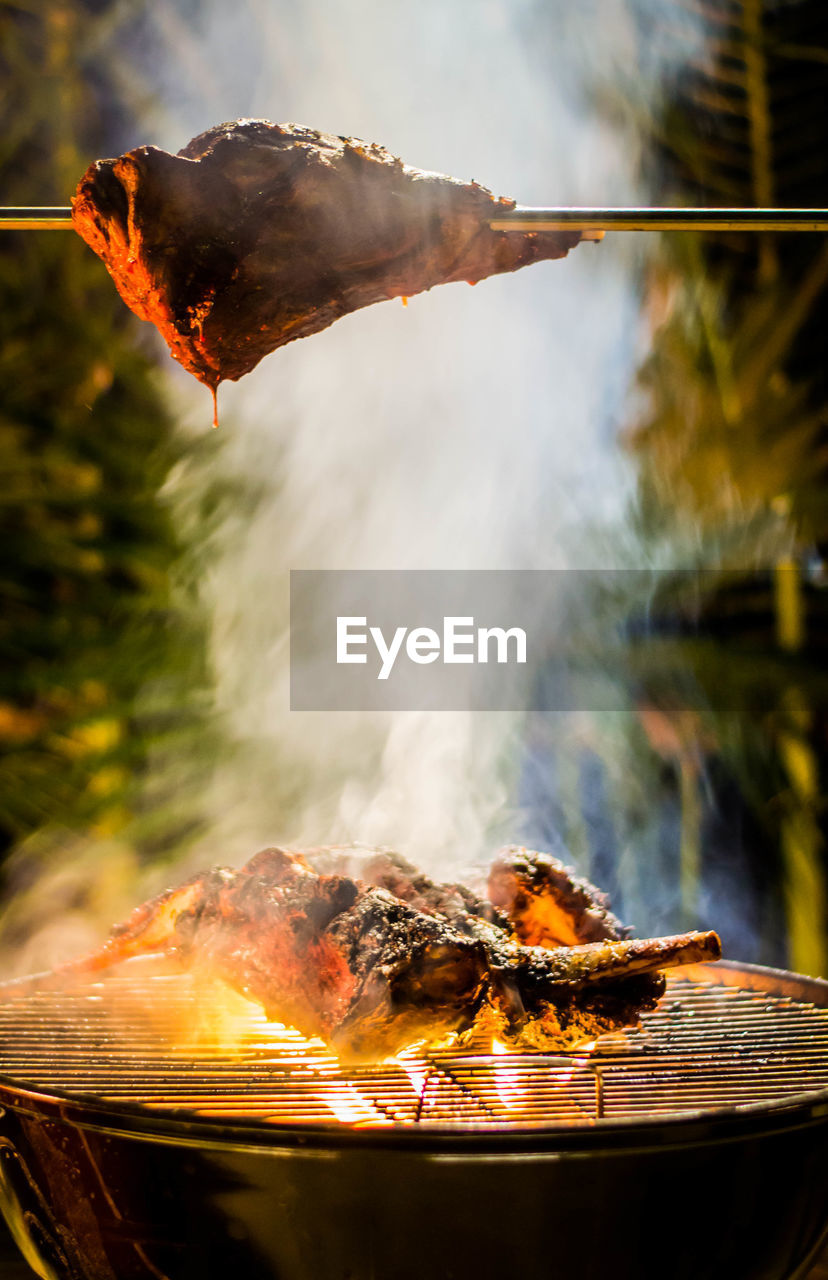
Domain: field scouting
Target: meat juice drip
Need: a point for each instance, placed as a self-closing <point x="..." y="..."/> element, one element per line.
<point x="214" y="394"/>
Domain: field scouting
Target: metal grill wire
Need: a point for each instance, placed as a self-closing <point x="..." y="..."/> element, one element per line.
<point x="160" y="1040"/>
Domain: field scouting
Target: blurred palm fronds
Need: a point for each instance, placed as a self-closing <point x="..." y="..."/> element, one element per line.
<point x="103" y="674"/>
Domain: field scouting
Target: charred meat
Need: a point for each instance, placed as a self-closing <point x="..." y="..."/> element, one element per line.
<point x="257" y="233"/>
<point x="387" y="869"/>
<point x="374" y="963"/>
<point x="550" y="984"/>
<point x="335" y="959"/>
<point x="546" y="904"/>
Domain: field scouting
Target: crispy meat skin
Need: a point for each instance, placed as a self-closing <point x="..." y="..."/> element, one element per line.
<point x="257" y="233"/>
<point x="387" y="869"/>
<point x="546" y="904"/>
<point x="370" y="970"/>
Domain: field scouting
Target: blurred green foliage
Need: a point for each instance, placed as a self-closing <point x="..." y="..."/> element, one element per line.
<point x="731" y="430"/>
<point x="103" y="679"/>
<point x="737" y="383"/>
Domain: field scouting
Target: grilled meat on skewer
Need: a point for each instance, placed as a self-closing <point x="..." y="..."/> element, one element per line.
<point x="257" y="233"/>
<point x="369" y="972"/>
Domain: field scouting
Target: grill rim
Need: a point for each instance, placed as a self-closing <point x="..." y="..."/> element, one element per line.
<point x="181" y="1127"/>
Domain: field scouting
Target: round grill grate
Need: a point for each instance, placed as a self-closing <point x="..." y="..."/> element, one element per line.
<point x="720" y="1038"/>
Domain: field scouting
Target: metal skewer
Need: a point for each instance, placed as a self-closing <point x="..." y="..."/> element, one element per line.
<point x="577" y="219"/>
<point x="565" y="218"/>
<point x="36" y="219"/>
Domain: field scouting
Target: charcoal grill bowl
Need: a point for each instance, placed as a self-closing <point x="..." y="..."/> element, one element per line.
<point x="113" y="1192"/>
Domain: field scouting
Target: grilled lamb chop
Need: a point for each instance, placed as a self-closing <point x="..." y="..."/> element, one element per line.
<point x="257" y="233"/>
<point x="538" y="998"/>
<point x="552" y="1000"/>
<point x="370" y="973"/>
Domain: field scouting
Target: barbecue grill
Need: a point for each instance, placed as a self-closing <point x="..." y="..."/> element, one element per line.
<point x="148" y="1132"/>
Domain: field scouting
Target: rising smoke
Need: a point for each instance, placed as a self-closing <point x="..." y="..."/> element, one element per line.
<point x="473" y="429"/>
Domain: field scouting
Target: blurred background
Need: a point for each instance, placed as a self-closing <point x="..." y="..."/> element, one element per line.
<point x="653" y="402"/>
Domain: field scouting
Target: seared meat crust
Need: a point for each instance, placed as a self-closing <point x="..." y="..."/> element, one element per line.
<point x="259" y="233"/>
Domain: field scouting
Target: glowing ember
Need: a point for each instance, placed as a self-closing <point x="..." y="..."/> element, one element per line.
<point x="223" y="1021"/>
<point x="348" y="1105"/>
<point x="415" y="1069"/>
<point x="509" y="1091"/>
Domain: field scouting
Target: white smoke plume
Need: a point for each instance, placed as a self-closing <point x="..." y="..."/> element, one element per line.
<point x="473" y="429"/>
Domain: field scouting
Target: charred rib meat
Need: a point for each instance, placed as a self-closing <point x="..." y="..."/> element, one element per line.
<point x="561" y="986"/>
<point x="257" y="233"/>
<point x="370" y="970"/>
